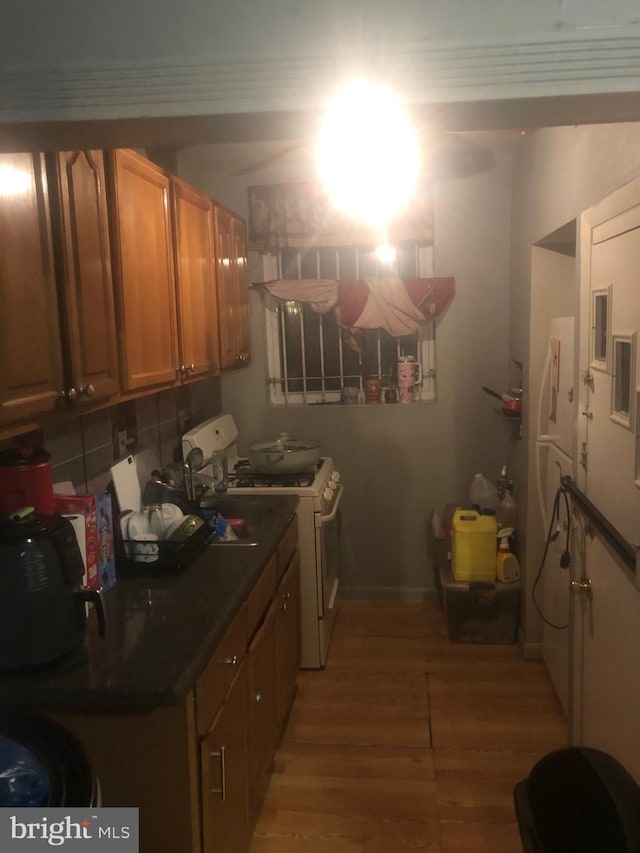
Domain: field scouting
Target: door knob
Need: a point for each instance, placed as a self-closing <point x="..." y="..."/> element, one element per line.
<point x="582" y="586"/>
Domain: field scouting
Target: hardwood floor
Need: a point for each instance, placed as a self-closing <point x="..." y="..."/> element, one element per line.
<point x="407" y="742"/>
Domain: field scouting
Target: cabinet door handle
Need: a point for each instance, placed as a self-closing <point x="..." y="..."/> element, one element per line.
<point x="69" y="394"/>
<point x="88" y="390"/>
<point x="284" y="607"/>
<point x="286" y="596"/>
<point x="258" y="697"/>
<point x="232" y="661"/>
<point x="222" y="790"/>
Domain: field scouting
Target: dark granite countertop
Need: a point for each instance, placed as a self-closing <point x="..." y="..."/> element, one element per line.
<point x="161" y="630"/>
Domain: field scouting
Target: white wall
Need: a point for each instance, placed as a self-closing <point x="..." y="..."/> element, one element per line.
<point x="399" y="461"/>
<point x="558" y="173"/>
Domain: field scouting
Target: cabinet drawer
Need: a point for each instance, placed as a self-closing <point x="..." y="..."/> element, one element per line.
<point x="213" y="684"/>
<point x="287" y="546"/>
<point x="261" y="595"/>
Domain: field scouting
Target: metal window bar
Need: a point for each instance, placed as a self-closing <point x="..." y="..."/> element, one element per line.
<point x="340" y="350"/>
<point x="286" y="379"/>
<point x="285" y="348"/>
<point x="323" y="389"/>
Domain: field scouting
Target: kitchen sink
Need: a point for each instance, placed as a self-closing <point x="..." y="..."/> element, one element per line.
<point x="247" y="518"/>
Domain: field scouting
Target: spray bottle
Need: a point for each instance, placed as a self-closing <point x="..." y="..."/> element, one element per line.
<point x="507" y="566"/>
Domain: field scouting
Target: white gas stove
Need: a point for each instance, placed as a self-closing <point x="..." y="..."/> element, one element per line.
<point x="319" y="493"/>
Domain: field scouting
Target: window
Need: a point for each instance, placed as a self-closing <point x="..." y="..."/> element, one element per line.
<point x="311" y="358"/>
<point x="600" y="328"/>
<point x="624" y="348"/>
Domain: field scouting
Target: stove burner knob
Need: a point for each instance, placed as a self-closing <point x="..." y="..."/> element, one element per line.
<point x="335" y="477"/>
<point x="328" y="495"/>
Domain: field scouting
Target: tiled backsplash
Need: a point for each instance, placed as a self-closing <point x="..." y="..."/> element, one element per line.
<point x="84" y="448"/>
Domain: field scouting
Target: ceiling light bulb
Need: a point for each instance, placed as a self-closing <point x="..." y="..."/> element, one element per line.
<point x="386" y="254"/>
<point x="368" y="157"/>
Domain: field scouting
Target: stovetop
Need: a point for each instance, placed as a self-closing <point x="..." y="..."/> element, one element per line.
<point x="245" y="477"/>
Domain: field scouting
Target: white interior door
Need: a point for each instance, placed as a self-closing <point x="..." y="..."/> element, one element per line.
<point x="606" y="625"/>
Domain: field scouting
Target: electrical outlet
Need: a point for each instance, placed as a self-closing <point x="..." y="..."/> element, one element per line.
<point x="122" y="442"/>
<point x="182" y="420"/>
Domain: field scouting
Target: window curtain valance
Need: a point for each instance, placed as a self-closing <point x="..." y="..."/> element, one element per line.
<point x="396" y="305"/>
<point x="301" y="215"/>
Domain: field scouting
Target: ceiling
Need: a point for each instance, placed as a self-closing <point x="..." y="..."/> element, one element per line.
<point x="178" y="132"/>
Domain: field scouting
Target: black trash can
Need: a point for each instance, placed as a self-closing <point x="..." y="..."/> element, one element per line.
<point x="578" y="800"/>
<point x="42" y="764"/>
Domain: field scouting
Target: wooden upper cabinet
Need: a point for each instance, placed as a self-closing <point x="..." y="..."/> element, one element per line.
<point x="195" y="281"/>
<point x="83" y="265"/>
<point x="143" y="271"/>
<point x="239" y="238"/>
<point x="31" y="377"/>
<point x="232" y="288"/>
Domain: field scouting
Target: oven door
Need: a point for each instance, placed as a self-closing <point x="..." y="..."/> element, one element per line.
<point x="328" y="547"/>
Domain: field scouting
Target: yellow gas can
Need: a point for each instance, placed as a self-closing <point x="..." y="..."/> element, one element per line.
<point x="474" y="546"/>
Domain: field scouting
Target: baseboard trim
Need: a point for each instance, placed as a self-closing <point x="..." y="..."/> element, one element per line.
<point x="532" y="651"/>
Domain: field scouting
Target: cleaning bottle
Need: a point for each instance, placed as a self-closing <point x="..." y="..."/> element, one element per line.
<point x="507" y="511"/>
<point x="507" y="566"/>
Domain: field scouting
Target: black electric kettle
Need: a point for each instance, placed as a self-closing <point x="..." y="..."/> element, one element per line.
<point x="42" y="600"/>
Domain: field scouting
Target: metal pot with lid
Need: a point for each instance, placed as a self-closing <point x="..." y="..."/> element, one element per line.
<point x="284" y="455"/>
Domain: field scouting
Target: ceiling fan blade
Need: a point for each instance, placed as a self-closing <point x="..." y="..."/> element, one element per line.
<point x="449" y="156"/>
<point x="258" y="165"/>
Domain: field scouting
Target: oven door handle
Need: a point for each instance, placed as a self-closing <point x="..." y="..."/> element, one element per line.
<point x="326" y="519"/>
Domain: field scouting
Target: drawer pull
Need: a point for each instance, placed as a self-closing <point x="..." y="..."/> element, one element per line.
<point x="232" y="661"/>
<point x="222" y="790"/>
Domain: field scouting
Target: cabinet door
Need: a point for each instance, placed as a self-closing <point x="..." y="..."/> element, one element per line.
<point x="227" y="308"/>
<point x="30" y="353"/>
<point x="239" y="242"/>
<point x="83" y="265"/>
<point x="225" y="805"/>
<point x="142" y="261"/>
<point x="232" y="289"/>
<point x="263" y="703"/>
<point x="289" y="641"/>
<point x="195" y="280"/>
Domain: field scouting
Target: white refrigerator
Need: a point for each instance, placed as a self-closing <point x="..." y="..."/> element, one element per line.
<point x="556" y="418"/>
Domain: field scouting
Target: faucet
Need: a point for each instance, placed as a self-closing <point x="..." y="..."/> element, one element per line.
<point x="192" y="464"/>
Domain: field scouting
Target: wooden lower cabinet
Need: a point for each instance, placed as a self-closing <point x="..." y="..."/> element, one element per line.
<point x="263" y="703"/>
<point x="223" y="761"/>
<point x="289" y="643"/>
<point x="198" y="770"/>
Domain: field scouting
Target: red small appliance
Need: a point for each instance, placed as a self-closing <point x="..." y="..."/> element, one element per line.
<point x="26" y="480"/>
